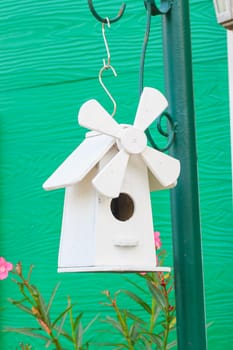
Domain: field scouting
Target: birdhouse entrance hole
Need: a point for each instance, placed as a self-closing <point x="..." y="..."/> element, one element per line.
<point x="122" y="207"/>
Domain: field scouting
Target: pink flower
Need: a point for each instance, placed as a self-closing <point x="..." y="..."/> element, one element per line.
<point x="158" y="243"/>
<point x="5" y="267"/>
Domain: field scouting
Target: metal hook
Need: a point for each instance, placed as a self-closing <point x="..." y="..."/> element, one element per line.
<point x="106" y="42"/>
<point x="106" y="67"/>
<point x="155" y="10"/>
<point x="104" y="20"/>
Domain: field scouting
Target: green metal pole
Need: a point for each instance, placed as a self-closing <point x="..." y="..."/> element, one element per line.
<point x="189" y="286"/>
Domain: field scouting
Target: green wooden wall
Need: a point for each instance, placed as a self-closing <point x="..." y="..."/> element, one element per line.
<point x="50" y="55"/>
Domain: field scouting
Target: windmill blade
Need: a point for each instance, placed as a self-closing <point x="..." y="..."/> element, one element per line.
<point x="152" y="103"/>
<point x="109" y="180"/>
<point x="93" y="116"/>
<point x="155" y="185"/>
<point x="166" y="169"/>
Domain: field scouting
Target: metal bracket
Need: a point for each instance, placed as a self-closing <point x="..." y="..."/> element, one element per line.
<point x="170" y="133"/>
<point x="165" y="6"/>
<point x="106" y="19"/>
<point x="153" y="10"/>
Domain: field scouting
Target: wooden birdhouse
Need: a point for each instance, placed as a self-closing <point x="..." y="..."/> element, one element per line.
<point x="107" y="220"/>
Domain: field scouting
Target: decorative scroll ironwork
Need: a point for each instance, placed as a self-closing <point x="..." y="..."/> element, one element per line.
<point x="169" y="133"/>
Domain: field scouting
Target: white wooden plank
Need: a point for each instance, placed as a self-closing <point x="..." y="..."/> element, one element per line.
<point x="109" y="180"/>
<point x="155" y="185"/>
<point x="113" y="268"/>
<point x="93" y="116"/>
<point x="80" y="162"/>
<point x="166" y="169"/>
<point x="152" y="104"/>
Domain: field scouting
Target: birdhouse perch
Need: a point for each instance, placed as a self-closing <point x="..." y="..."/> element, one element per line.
<point x="107" y="220"/>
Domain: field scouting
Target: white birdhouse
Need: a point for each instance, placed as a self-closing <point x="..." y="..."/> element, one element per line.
<point x="107" y="220"/>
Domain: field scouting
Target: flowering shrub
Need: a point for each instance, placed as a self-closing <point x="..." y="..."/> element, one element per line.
<point x="157" y="240"/>
<point x="5" y="267"/>
<point x="150" y="329"/>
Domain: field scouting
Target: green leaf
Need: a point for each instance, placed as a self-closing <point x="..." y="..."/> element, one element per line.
<point x="52" y="298"/>
<point x="137" y="286"/>
<point x="25" y="346"/>
<point x="120" y="345"/>
<point x="209" y="324"/>
<point x="27" y="331"/>
<point x="30" y="272"/>
<point x="77" y="320"/>
<point x="156" y="314"/>
<point x="64" y="334"/>
<point x="145" y="341"/>
<point x="59" y="329"/>
<point x="109" y="331"/>
<point x="135" y="318"/>
<point x="34" y="290"/>
<point x="172" y="323"/>
<point x="21" y="286"/>
<point x="61" y="315"/>
<point x="114" y="323"/>
<point x="138" y="300"/>
<point x="154" y="338"/>
<point x="157" y="294"/>
<point x="90" y="324"/>
<point x="42" y="308"/>
<point x="133" y="332"/>
<point x="147" y="345"/>
<point x="10" y="329"/>
<point x="172" y="344"/>
<point x="79" y="334"/>
<point x="21" y="306"/>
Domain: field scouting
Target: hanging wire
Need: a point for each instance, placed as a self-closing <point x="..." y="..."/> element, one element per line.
<point x="144" y="48"/>
<point x="171" y="125"/>
<point x="107" y="66"/>
<point x="106" y="42"/>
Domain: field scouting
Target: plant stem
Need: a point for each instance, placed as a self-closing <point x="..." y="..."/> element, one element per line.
<point x="122" y="322"/>
<point x="124" y="327"/>
<point x="32" y="298"/>
<point x="152" y="318"/>
<point x="167" y="318"/>
<point x="72" y="326"/>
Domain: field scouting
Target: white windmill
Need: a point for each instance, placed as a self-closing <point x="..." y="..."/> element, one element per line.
<point x="107" y="219"/>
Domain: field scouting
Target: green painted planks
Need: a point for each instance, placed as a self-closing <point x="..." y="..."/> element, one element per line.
<point x="51" y="53"/>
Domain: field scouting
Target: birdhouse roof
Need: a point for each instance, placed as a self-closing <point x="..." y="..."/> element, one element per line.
<point x="84" y="158"/>
<point x="80" y="161"/>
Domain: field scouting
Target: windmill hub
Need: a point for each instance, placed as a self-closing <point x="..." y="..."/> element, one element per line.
<point x="133" y="140"/>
